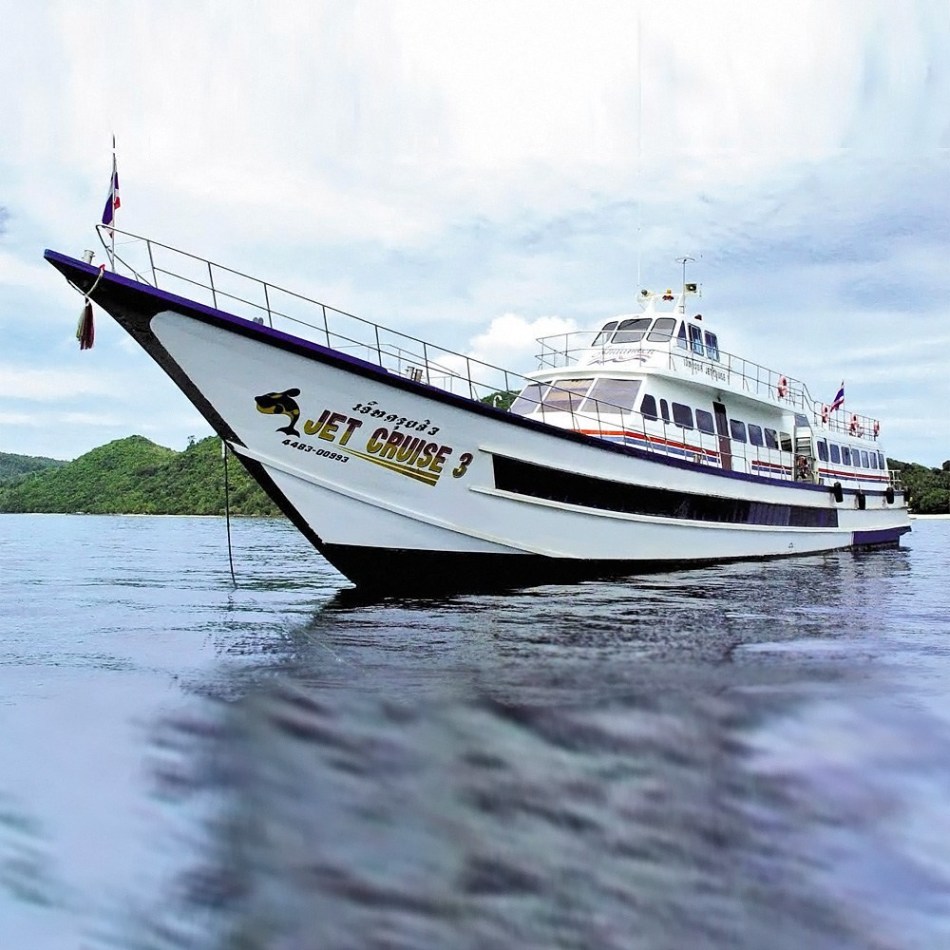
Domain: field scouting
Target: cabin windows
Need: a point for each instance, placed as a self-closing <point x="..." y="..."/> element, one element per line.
<point x="785" y="440"/>
<point x="873" y="458"/>
<point x="604" y="335"/>
<point x="771" y="438"/>
<point x="737" y="430"/>
<point x="636" y="329"/>
<point x="881" y="463"/>
<point x="566" y="395"/>
<point x="662" y="331"/>
<point x="704" y="422"/>
<point x="608" y="395"/>
<point x="845" y="455"/>
<point x="648" y="406"/>
<point x="865" y="461"/>
<point x="712" y="346"/>
<point x="682" y="415"/>
<point x="631" y="331"/>
<point x="835" y="453"/>
<point x="529" y="400"/>
<point x="755" y="434"/>
<point x="822" y="450"/>
<point x="665" y="410"/>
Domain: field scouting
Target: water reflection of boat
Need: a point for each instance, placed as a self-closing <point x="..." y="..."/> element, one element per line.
<point x="639" y="446"/>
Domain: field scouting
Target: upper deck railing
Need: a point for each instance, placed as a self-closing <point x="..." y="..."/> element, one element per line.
<point x="563" y="350"/>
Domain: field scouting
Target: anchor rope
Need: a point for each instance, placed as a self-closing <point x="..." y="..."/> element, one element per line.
<point x="227" y="508"/>
<point x="88" y="293"/>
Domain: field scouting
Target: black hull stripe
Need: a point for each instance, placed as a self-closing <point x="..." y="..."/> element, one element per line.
<point x="539" y="481"/>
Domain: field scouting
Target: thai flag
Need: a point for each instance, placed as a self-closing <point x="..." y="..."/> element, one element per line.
<point x="112" y="202"/>
<point x="839" y="399"/>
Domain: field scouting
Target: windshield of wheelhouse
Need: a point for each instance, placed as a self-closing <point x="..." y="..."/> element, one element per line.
<point x="563" y="395"/>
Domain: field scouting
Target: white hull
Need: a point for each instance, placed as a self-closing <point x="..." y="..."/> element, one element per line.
<point x="405" y="486"/>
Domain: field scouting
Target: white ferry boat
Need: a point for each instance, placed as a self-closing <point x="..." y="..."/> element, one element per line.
<point x="639" y="446"/>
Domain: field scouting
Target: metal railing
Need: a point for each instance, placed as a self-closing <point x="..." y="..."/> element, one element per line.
<point x="224" y="288"/>
<point x="563" y="350"/>
<point x="658" y="436"/>
<point x="175" y="271"/>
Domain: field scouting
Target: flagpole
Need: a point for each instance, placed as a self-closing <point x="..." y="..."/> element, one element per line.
<point x="115" y="171"/>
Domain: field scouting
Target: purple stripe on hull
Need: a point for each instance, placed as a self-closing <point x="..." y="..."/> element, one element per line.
<point x="880" y="536"/>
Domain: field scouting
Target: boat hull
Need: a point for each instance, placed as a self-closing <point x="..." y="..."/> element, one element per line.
<point x="405" y="487"/>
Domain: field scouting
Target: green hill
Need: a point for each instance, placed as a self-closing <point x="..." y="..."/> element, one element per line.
<point x="928" y="489"/>
<point x="16" y="466"/>
<point x="136" y="476"/>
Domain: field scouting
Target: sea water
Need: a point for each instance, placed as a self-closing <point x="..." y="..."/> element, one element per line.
<point x="755" y="755"/>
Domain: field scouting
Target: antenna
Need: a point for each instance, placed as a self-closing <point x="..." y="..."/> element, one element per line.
<point x="639" y="148"/>
<point x="684" y="261"/>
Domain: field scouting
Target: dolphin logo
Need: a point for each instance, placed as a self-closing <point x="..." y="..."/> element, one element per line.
<point x="281" y="404"/>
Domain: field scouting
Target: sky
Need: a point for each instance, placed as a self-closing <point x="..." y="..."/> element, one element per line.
<point x="484" y="173"/>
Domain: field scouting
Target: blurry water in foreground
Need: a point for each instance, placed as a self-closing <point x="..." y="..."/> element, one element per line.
<point x="746" y="756"/>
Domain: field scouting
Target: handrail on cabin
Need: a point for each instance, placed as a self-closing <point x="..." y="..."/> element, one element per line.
<point x="562" y="350"/>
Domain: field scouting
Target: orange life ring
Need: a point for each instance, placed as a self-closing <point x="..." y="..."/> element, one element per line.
<point x="854" y="424"/>
<point x="877" y="428"/>
<point x="782" y="387"/>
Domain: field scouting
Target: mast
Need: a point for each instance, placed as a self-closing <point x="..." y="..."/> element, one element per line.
<point x="684" y="261"/>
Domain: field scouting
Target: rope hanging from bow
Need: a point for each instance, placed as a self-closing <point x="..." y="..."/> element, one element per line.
<point x="86" y="328"/>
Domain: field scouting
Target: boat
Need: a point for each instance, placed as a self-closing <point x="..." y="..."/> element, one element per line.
<point x="641" y="445"/>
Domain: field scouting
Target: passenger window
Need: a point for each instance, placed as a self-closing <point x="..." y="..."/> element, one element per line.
<point x="881" y="463"/>
<point x="604" y="335"/>
<point x="704" y="421"/>
<point x="648" y="406"/>
<point x="835" y="453"/>
<point x="823" y="450"/>
<point x="873" y="460"/>
<point x="712" y="346"/>
<point x="631" y="331"/>
<point x="665" y="410"/>
<point x="771" y="438"/>
<point x="865" y="461"/>
<point x="566" y="395"/>
<point x="696" y="339"/>
<point x="609" y="395"/>
<point x="786" y="441"/>
<point x="737" y="430"/>
<point x="662" y="330"/>
<point x="755" y="434"/>
<point x="529" y="400"/>
<point x="682" y="415"/>
<point x="845" y="455"/>
<point x="681" y="336"/>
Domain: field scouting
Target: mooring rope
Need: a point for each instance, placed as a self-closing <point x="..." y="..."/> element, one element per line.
<point x="85" y="329"/>
<point x="227" y="508"/>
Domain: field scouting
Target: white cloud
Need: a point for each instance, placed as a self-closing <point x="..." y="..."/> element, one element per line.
<point x="430" y="165"/>
<point x="46" y="385"/>
<point x="511" y="339"/>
